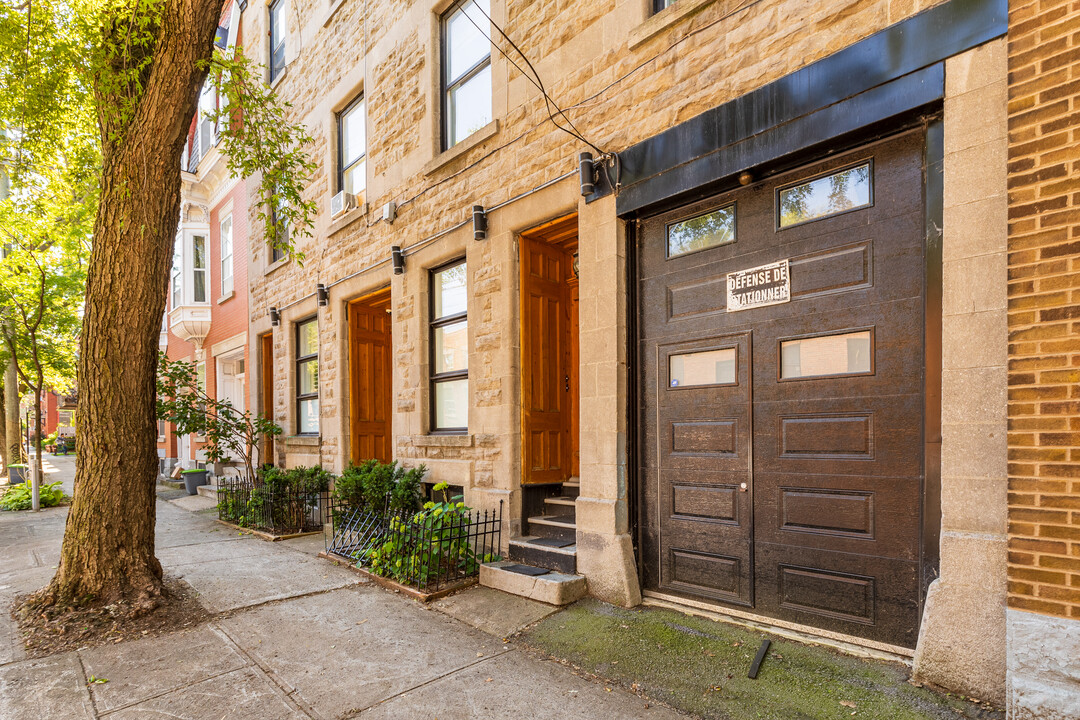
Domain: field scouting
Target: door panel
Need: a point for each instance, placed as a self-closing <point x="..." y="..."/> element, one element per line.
<point x="827" y="532"/>
<point x="370" y="379"/>
<point x="546" y="338"/>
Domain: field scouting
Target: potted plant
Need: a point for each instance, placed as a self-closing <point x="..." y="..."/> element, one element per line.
<point x="193" y="479"/>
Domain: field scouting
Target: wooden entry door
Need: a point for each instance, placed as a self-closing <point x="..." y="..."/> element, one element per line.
<point x="816" y="402"/>
<point x="370" y="378"/>
<point x="549" y="386"/>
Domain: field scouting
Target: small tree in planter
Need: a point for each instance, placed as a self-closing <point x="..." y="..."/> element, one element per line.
<point x="230" y="434"/>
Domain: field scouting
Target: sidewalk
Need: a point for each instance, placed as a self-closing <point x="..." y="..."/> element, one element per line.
<point x="292" y="636"/>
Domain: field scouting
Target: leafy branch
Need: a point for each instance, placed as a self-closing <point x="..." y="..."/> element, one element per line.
<point x="230" y="434"/>
<point x="260" y="141"/>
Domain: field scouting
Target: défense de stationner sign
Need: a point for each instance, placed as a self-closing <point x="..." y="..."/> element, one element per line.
<point x="757" y="287"/>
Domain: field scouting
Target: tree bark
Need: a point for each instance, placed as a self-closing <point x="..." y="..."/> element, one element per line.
<point x="3" y="432"/>
<point x="108" y="552"/>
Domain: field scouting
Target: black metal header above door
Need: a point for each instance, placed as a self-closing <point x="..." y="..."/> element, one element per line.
<point x="890" y="74"/>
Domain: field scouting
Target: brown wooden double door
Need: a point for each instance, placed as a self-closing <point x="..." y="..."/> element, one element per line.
<point x="781" y="446"/>
<point x="370" y="378"/>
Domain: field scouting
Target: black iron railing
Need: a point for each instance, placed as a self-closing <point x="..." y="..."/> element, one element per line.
<point x="419" y="549"/>
<point x="281" y="511"/>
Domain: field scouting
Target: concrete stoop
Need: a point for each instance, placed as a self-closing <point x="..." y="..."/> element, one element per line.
<point x="209" y="491"/>
<point x="553" y="588"/>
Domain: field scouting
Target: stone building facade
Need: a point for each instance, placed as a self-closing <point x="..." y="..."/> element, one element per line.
<point x="884" y="517"/>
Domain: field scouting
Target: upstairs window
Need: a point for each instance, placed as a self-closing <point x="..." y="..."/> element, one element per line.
<point x="352" y="148"/>
<point x="277" y="249"/>
<point x="659" y="5"/>
<point x="466" y="67"/>
<point x="307" y="377"/>
<point x="226" y="257"/>
<point x="277" y="38"/>
<point x="177" y="275"/>
<point x="449" y="349"/>
<point x="198" y="267"/>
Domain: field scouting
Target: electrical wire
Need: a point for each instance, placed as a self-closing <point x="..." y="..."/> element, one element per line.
<point x="538" y="83"/>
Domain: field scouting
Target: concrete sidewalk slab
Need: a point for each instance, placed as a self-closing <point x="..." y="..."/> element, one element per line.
<point x="240" y="694"/>
<point x="274" y="574"/>
<point x="52" y="687"/>
<point x="194" y="503"/>
<point x="492" y="611"/>
<point x="225" y="548"/>
<point x="150" y="667"/>
<point x="351" y="649"/>
<point x="514" y="686"/>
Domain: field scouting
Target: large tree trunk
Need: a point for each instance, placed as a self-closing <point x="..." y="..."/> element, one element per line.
<point x="4" y="451"/>
<point x="108" y="552"/>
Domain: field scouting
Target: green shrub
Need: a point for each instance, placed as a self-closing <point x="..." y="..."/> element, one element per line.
<point x="431" y="543"/>
<point x="368" y="484"/>
<point x="20" y="497"/>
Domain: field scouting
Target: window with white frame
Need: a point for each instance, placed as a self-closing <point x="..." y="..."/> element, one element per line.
<point x="198" y="268"/>
<point x="352" y="148"/>
<point x="449" y="349"/>
<point x="177" y="273"/>
<point x="466" y="70"/>
<point x="277" y="38"/>
<point x="226" y="256"/>
<point x="281" y="234"/>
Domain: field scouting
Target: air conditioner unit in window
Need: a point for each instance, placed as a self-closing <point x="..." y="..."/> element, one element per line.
<point x="342" y="203"/>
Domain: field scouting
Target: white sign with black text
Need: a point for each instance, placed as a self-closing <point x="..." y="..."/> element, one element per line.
<point x="757" y="287"/>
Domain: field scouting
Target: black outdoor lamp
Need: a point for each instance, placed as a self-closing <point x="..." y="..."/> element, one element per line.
<point x="275" y="317"/>
<point x="398" y="259"/>
<point x="322" y="294"/>
<point x="479" y="222"/>
<point x="586" y="173"/>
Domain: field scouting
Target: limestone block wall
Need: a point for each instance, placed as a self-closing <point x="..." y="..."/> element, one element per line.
<point x="962" y="638"/>
<point x="1044" y="360"/>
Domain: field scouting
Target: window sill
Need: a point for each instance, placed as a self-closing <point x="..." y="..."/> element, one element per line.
<point x="302" y="440"/>
<point x="281" y="76"/>
<point x="448" y="440"/>
<point x="348" y="219"/>
<point x="661" y="21"/>
<point x="275" y="265"/>
<point x="448" y="156"/>
<point x="332" y="11"/>
<point x="223" y="298"/>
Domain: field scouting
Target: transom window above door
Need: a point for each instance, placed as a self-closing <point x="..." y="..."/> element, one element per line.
<point x="838" y="192"/>
<point x="702" y="231"/>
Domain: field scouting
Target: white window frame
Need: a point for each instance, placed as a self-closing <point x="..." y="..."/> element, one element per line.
<point x="225" y="245"/>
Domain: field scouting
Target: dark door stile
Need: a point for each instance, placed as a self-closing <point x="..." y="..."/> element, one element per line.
<point x="827" y="531"/>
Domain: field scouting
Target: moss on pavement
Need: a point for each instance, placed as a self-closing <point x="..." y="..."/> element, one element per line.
<point x="700" y="666"/>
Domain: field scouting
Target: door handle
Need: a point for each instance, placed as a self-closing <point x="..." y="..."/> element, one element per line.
<point x="566" y="379"/>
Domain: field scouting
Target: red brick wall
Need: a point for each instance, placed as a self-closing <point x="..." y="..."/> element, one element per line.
<point x="1044" y="306"/>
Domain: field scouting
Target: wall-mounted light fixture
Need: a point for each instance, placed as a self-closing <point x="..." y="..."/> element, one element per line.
<point x="398" y="259"/>
<point x="586" y="173"/>
<point x="479" y="222"/>
<point x="275" y="317"/>
<point x="322" y="294"/>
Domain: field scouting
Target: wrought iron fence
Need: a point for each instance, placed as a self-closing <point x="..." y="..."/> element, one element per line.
<point x="281" y="511"/>
<point x="421" y="549"/>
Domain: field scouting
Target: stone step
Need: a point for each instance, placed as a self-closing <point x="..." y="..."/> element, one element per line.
<point x="553" y="588"/>
<point x="529" y="551"/>
<point x="209" y="491"/>
<point x="559" y="521"/>
<point x="561" y="505"/>
<point x="572" y="487"/>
